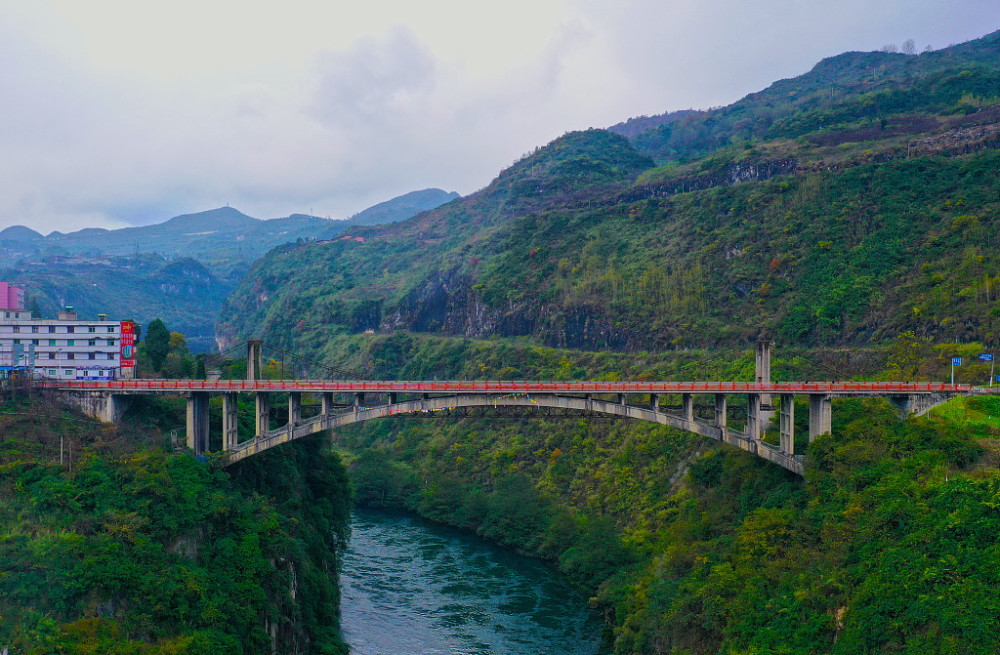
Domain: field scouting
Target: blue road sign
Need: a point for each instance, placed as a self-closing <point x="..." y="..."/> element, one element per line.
<point x="986" y="357"/>
<point x="956" y="361"/>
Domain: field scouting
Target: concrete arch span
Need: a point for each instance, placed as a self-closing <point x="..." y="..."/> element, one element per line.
<point x="717" y="430"/>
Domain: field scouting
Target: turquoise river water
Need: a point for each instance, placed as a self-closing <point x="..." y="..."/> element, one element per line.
<point x="411" y="587"/>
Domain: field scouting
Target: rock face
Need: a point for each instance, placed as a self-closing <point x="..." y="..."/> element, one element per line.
<point x="447" y="303"/>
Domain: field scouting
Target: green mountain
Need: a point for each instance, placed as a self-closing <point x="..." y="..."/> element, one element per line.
<point x="850" y="213"/>
<point x="399" y="208"/>
<point x="825" y="225"/>
<point x="224" y="238"/>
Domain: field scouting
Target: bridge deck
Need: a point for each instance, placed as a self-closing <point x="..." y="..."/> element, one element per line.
<point x="510" y="387"/>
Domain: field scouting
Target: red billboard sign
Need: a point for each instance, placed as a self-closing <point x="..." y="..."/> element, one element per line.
<point x="128" y="344"/>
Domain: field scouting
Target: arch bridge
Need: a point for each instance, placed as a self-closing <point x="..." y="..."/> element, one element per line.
<point x="346" y="402"/>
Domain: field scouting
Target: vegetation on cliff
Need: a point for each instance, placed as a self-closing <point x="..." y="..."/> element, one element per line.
<point x="111" y="544"/>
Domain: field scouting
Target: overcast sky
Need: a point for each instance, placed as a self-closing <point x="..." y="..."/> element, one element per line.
<point x="119" y="112"/>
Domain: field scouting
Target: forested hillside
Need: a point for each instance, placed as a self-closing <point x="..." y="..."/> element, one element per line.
<point x="842" y="207"/>
<point x="113" y="544"/>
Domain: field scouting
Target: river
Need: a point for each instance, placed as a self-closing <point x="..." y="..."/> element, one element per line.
<point x="411" y="587"/>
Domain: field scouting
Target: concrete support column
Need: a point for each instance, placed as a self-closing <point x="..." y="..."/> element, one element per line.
<point x="255" y="349"/>
<point x="263" y="413"/>
<point x="762" y="367"/>
<point x="393" y="397"/>
<point x="230" y="421"/>
<point x="622" y="400"/>
<point x="820" y="415"/>
<point x="359" y="401"/>
<point x="327" y="404"/>
<point x="197" y="422"/>
<point x="720" y="411"/>
<point x="753" y="416"/>
<point x="787" y="423"/>
<point x="294" y="411"/>
<point x="687" y="402"/>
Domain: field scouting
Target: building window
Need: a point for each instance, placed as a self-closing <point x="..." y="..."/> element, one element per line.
<point x="92" y="356"/>
<point x="52" y="342"/>
<point x="92" y="342"/>
<point x="17" y="341"/>
<point x="70" y="342"/>
<point x="17" y="328"/>
<point x="53" y="372"/>
<point x="52" y="329"/>
<point x="70" y="329"/>
<point x="111" y="342"/>
<point x="91" y="329"/>
<point x="35" y="341"/>
<point x="111" y="328"/>
<point x="34" y="328"/>
<point x="70" y="355"/>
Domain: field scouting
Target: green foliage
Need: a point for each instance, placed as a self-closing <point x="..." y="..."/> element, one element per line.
<point x="157" y="343"/>
<point x="144" y="552"/>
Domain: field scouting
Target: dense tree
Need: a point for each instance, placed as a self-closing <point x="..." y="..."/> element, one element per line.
<point x="157" y="343"/>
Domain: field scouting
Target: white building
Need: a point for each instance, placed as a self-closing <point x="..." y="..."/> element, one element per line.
<point x="66" y="348"/>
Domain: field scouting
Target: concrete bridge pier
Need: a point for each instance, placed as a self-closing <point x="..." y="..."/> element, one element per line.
<point x="197" y="422"/>
<point x="294" y="412"/>
<point x="754" y="418"/>
<point x="654" y="402"/>
<point x="786" y="423"/>
<point x="327" y="406"/>
<point x="687" y="403"/>
<point x="230" y="421"/>
<point x="820" y="415"/>
<point x="720" y="411"/>
<point x="263" y="414"/>
<point x="623" y="400"/>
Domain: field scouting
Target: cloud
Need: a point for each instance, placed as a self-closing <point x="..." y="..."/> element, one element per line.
<point x="119" y="113"/>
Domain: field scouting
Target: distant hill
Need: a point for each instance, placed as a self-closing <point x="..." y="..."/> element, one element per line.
<point x="19" y="233"/>
<point x="223" y="238"/>
<point x="403" y="207"/>
<point x="179" y="270"/>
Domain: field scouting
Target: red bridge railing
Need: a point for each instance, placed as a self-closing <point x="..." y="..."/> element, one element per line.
<point x="505" y="386"/>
